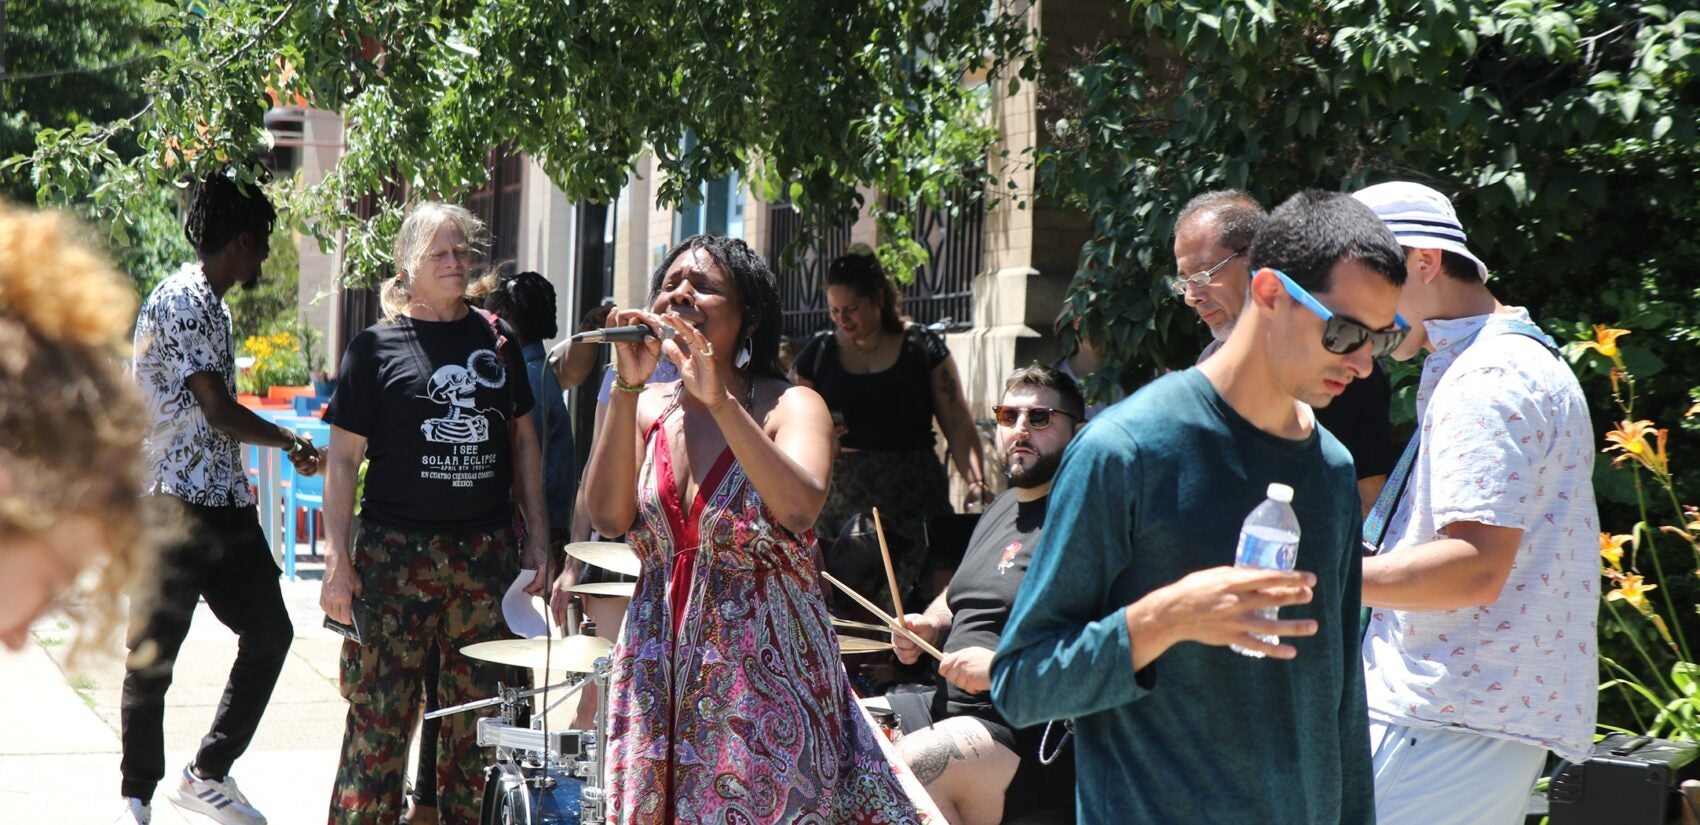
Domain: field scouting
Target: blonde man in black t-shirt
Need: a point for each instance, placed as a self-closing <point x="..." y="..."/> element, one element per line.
<point x="974" y="764"/>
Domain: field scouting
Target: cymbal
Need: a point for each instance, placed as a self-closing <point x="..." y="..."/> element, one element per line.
<point x="625" y="589"/>
<point x="608" y="555"/>
<point x="574" y="654"/>
<point x="857" y="644"/>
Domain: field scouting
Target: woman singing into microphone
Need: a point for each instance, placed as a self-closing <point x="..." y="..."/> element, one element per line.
<point x="728" y="700"/>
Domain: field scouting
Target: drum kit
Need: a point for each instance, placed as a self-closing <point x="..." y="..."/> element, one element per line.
<point x="559" y="777"/>
<point x="541" y="776"/>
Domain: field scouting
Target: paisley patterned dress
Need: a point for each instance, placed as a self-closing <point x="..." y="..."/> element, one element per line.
<point x="729" y="702"/>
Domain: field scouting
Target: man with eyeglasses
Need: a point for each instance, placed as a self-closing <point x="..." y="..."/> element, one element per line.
<point x="1132" y="597"/>
<point x="1480" y="655"/>
<point x="1211" y="237"/>
<point x="978" y="768"/>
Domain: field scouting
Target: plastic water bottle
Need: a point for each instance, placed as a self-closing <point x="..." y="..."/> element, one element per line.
<point x="1269" y="540"/>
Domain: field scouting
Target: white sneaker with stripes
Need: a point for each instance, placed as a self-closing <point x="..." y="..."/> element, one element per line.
<point x="217" y="798"/>
<point x="136" y="812"/>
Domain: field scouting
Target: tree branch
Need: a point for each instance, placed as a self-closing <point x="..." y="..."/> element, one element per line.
<point x="267" y="32"/>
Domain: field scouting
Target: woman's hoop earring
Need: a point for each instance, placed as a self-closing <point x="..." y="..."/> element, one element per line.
<point x="743" y="359"/>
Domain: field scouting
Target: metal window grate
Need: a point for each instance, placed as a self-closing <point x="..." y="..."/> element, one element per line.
<point x="943" y="290"/>
<point x="800" y="284"/>
<point x="953" y="235"/>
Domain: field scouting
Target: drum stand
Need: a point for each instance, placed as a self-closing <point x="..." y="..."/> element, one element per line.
<point x="593" y="800"/>
<point x="578" y="753"/>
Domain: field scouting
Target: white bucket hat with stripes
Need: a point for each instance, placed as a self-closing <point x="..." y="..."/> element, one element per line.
<point x="1420" y="218"/>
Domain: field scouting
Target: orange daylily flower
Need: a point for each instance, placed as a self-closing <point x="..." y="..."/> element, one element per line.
<point x="1659" y="462"/>
<point x="1605" y="341"/>
<point x="1631" y="589"/>
<point x="1689" y="529"/>
<point x="1611" y="549"/>
<point x="1630" y="438"/>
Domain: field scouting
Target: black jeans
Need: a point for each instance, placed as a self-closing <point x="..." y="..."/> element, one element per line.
<point x="223" y="557"/>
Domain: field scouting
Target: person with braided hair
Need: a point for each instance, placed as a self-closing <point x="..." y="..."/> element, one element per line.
<point x="527" y="302"/>
<point x="186" y="367"/>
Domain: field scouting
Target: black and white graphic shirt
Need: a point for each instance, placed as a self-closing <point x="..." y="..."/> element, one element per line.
<point x="183" y="329"/>
<point x="434" y="399"/>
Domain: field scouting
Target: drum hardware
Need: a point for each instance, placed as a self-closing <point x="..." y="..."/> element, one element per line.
<point x="508" y="698"/>
<point x="887" y="721"/>
<point x="567" y="744"/>
<point x="558" y="778"/>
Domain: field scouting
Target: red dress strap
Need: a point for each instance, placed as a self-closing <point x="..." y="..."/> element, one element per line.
<point x="686" y="527"/>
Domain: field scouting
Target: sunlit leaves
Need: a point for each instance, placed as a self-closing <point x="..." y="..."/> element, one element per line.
<point x="1531" y="114"/>
<point x="809" y="96"/>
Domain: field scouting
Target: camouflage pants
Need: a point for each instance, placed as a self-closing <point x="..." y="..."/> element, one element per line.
<point x="431" y="592"/>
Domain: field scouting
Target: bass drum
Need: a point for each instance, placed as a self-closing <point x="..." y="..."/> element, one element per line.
<point x="511" y="800"/>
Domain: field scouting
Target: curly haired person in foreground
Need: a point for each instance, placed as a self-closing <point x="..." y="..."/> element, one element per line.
<point x="70" y="430"/>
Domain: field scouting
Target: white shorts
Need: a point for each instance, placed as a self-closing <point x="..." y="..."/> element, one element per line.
<point x="1437" y="776"/>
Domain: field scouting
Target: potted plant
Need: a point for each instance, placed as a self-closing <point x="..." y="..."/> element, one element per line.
<point x="277" y="362"/>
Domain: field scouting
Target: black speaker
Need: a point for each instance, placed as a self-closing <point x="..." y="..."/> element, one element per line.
<point x="1628" y="781"/>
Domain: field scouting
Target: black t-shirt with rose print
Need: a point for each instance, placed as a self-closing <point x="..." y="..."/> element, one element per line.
<point x="433" y="400"/>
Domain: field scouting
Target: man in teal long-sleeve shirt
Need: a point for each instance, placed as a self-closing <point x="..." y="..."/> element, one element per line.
<point x="1131" y="600"/>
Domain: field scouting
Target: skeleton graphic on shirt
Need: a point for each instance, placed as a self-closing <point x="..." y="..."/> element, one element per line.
<point x="457" y="387"/>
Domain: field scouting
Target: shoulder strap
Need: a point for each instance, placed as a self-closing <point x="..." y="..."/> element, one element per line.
<point x="822" y="338"/>
<point x="1380" y="513"/>
<point x="501" y="352"/>
<point x="495" y="329"/>
<point x="1375" y="525"/>
<point x="1518" y="326"/>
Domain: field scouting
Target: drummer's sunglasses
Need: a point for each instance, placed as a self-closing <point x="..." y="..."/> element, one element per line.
<point x="1038" y="418"/>
<point x="1341" y="335"/>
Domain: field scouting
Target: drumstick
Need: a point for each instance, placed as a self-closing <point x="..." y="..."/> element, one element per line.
<point x="858" y="625"/>
<point x="894" y="624"/>
<point x="890" y="574"/>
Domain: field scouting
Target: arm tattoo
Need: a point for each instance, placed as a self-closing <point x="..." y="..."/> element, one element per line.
<point x="934" y="757"/>
<point x="947" y="384"/>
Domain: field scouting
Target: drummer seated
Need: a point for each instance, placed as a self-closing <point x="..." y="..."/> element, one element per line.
<point x="978" y="769"/>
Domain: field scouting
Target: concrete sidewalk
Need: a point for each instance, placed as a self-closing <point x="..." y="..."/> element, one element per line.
<point x="59" y="750"/>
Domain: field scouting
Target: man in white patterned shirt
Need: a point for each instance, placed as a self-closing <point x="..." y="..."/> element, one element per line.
<point x="1480" y="656"/>
<point x="185" y="365"/>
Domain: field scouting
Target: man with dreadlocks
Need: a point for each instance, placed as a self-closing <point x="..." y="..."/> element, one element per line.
<point x="185" y="364"/>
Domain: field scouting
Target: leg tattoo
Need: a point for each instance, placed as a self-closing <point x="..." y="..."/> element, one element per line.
<point x="933" y="757"/>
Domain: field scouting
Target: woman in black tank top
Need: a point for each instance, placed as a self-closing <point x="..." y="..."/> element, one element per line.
<point x="885" y="382"/>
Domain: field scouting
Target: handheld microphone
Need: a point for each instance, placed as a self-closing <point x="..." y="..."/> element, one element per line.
<point x="623" y="335"/>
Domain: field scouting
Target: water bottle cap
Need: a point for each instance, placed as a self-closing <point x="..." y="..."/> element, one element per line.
<point x="1281" y="493"/>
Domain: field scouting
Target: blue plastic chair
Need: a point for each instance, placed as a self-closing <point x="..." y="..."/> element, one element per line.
<point x="308" y="405"/>
<point x="305" y="493"/>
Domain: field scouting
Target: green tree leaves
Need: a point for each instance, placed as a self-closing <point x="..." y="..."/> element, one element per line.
<point x="1555" y="127"/>
<point x="808" y="97"/>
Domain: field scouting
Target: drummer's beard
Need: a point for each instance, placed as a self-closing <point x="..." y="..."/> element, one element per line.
<point x="1038" y="473"/>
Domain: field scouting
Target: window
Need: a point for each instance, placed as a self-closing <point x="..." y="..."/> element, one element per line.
<point x="498" y="203"/>
<point x="718" y="209"/>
